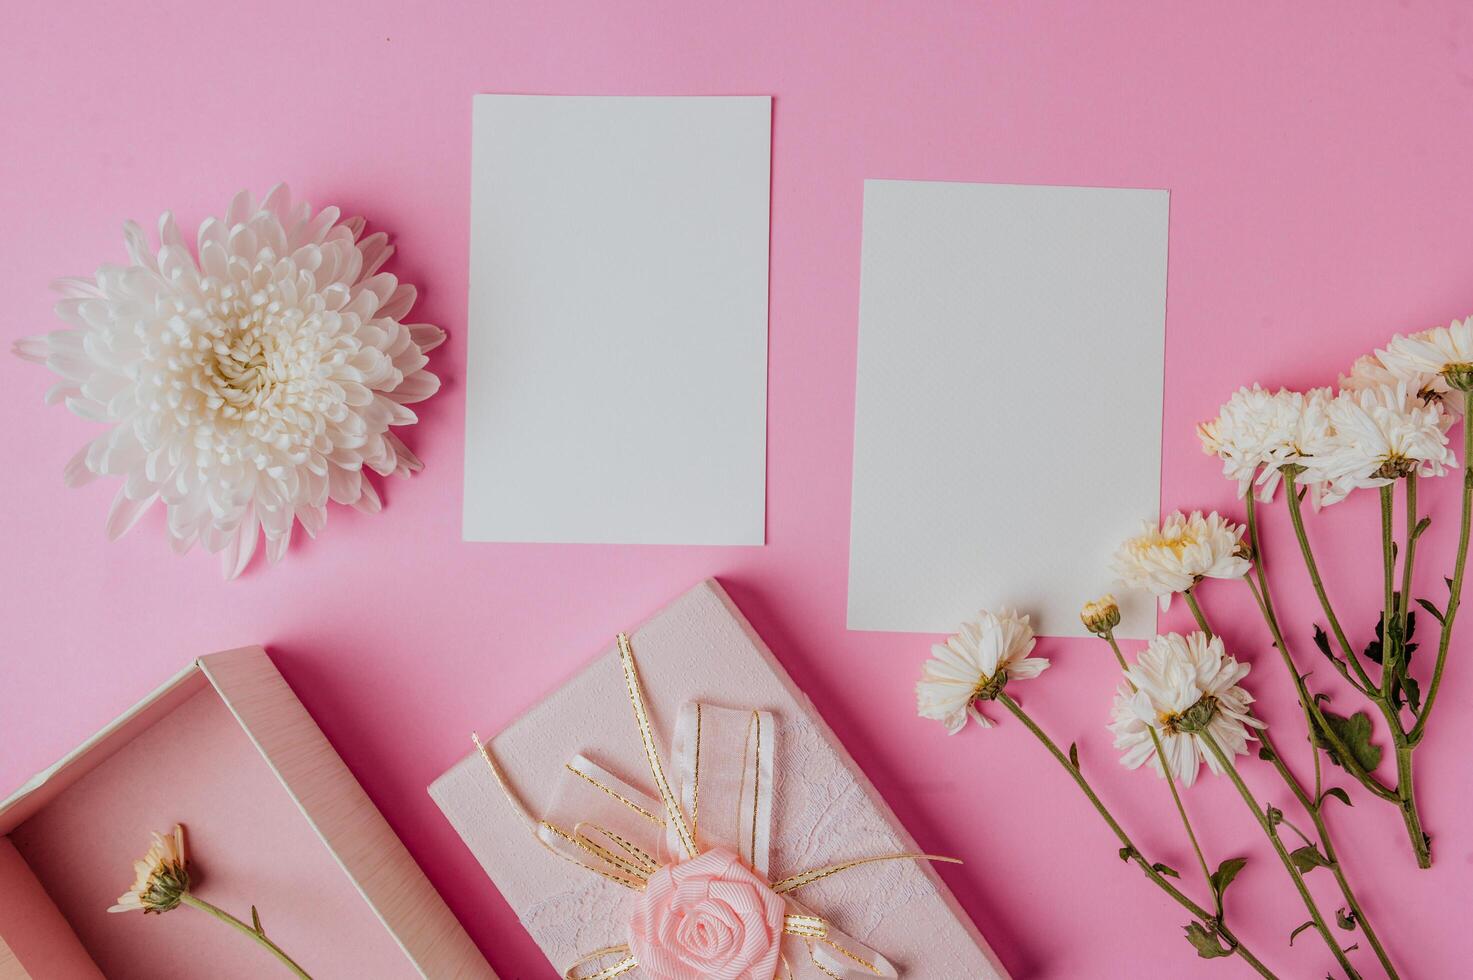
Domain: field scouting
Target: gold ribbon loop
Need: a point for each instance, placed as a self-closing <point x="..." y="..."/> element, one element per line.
<point x="623" y="965"/>
<point x="808" y="926"/>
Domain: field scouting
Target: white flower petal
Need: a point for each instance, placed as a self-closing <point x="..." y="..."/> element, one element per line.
<point x="249" y="386"/>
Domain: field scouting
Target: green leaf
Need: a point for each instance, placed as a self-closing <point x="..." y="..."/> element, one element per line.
<point x="1322" y="640"/>
<point x="1265" y="753"/>
<point x="1414" y="694"/>
<point x="1298" y="929"/>
<point x="1126" y="853"/>
<point x="1307" y="858"/>
<point x="1338" y="793"/>
<point x="1345" y="919"/>
<point x="1275" y="815"/>
<point x="1205" y="943"/>
<point x="256" y="922"/>
<point x="1165" y="869"/>
<point x="1421" y="527"/>
<point x="1436" y="613"/>
<point x="1074" y="755"/>
<point x="1224" y="875"/>
<point x="1355" y="733"/>
<point x="1445" y="578"/>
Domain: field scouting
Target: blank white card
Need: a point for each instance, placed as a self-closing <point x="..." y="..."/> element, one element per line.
<point x="1008" y="409"/>
<point x="616" y="390"/>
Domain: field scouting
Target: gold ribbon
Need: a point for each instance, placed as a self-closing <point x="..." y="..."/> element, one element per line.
<point x="613" y="853"/>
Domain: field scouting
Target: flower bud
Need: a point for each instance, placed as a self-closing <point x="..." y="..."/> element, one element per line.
<point x="1100" y="616"/>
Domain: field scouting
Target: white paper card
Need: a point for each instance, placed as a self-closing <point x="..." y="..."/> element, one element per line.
<point x="1008" y="408"/>
<point x="616" y="388"/>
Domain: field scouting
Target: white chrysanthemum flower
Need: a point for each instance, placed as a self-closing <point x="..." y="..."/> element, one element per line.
<point x="1383" y="369"/>
<point x="247" y="384"/>
<point x="1182" y="686"/>
<point x="1260" y="432"/>
<point x="1442" y="352"/>
<point x="974" y="665"/>
<point x="1380" y="435"/>
<point x="1180" y="553"/>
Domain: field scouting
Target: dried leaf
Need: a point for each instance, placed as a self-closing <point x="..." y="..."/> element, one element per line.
<point x="1165" y="869"/>
<point x="1205" y="943"/>
<point x="256" y="922"/>
<point x="1345" y="919"/>
<point x="1298" y="929"/>
<point x="1074" y="755"/>
<point x="1322" y="640"/>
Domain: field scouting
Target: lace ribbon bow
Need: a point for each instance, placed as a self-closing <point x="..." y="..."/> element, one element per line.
<point x="715" y="903"/>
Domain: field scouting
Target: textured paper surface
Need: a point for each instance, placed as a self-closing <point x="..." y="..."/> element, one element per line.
<point x="825" y="810"/>
<point x="616" y="390"/>
<point x="1008" y="407"/>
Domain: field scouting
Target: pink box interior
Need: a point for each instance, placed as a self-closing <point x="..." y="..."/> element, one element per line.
<point x="184" y="759"/>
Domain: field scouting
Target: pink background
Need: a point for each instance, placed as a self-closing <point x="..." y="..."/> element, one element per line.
<point x="1318" y="159"/>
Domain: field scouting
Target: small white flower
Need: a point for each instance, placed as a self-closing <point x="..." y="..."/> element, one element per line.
<point x="1380" y="435"/>
<point x="1180" y="553"/>
<point x="1183" y="686"/>
<point x="246" y="381"/>
<point x="1445" y="352"/>
<point x="975" y="664"/>
<point x="1260" y="432"/>
<point x="160" y="877"/>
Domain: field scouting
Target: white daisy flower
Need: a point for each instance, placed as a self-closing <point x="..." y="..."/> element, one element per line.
<point x="1180" y="553"/>
<point x="1443" y="351"/>
<point x="245" y="381"/>
<point x="974" y="665"/>
<point x="1183" y="686"/>
<point x="1380" y="435"/>
<point x="1260" y="432"/>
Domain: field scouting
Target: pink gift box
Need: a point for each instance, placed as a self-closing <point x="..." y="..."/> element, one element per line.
<point x="271" y="816"/>
<point x="701" y="648"/>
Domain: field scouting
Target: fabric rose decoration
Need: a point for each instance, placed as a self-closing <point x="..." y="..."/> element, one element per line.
<point x="710" y="916"/>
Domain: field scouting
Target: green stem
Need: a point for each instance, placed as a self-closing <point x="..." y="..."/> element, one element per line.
<point x="1297" y="516"/>
<point x="1197" y="612"/>
<point x="1411" y="550"/>
<point x="1171" y="784"/>
<point x="1288" y="862"/>
<point x="1313" y="806"/>
<point x="1388" y="581"/>
<point x="1202" y="915"/>
<point x="1315" y="809"/>
<point x="260" y="937"/>
<point x="1306" y="700"/>
<point x="1455" y="597"/>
